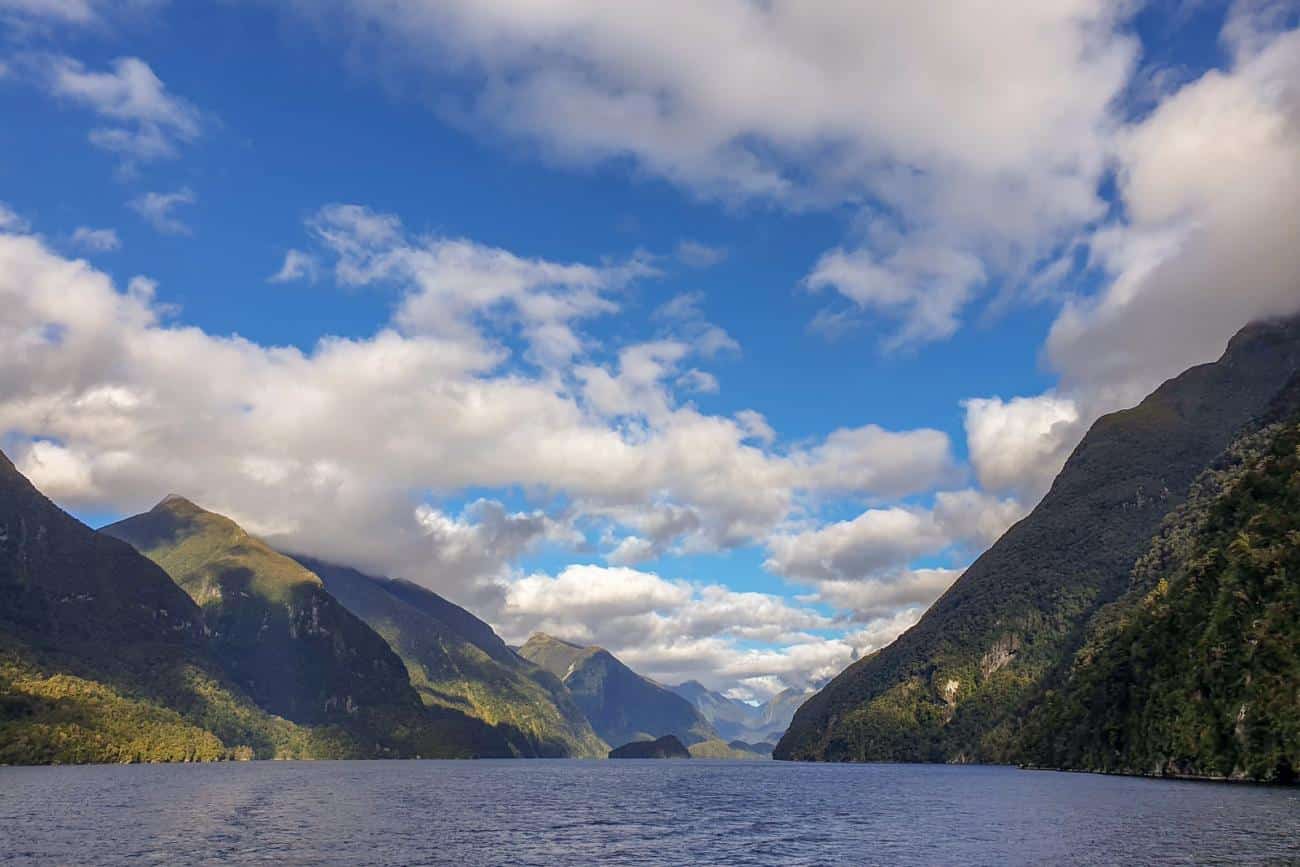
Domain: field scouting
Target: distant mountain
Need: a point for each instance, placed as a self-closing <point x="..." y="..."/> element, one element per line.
<point x="289" y="644"/>
<point x="738" y="720"/>
<point x="457" y="661"/>
<point x="104" y="659"/>
<point x="1195" y="671"/>
<point x="621" y="704"/>
<point x="666" y="747"/>
<point x="950" y="688"/>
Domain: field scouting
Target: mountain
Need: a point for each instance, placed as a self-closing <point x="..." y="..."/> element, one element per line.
<point x="737" y="720"/>
<point x="621" y="704"/>
<point x="666" y="747"/>
<point x="289" y="644"/>
<point x="949" y="688"/>
<point x="1195" y="671"/>
<point x="734" y="751"/>
<point x="104" y="659"/>
<point x="458" y="662"/>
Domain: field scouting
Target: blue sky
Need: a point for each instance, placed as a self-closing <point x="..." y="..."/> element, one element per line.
<point x="981" y="240"/>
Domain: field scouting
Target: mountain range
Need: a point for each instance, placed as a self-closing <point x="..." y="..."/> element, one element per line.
<point x="1059" y="612"/>
<point x="622" y="705"/>
<point x="175" y="635"/>
<point x="1141" y="619"/>
<point x="736" y="720"/>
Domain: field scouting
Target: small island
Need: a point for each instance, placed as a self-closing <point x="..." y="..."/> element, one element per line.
<point x="666" y="747"/>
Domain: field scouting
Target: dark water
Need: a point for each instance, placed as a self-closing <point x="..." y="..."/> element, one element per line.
<point x="690" y="812"/>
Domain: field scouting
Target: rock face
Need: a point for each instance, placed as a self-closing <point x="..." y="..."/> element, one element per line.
<point x="666" y="747"/>
<point x="950" y="687"/>
<point x="621" y="704"/>
<point x="458" y="662"/>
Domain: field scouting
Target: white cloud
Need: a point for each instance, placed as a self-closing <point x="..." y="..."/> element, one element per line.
<point x="925" y="288"/>
<point x="674" y="630"/>
<point x="297" y="266"/>
<point x="883" y="541"/>
<point x="883" y="596"/>
<point x="1019" y="445"/>
<point x="96" y="240"/>
<point x="345" y="450"/>
<point x="147" y="122"/>
<point x="1210" y="182"/>
<point x="157" y="210"/>
<point x="972" y="136"/>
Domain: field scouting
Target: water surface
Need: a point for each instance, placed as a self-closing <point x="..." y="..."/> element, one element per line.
<point x="635" y="812"/>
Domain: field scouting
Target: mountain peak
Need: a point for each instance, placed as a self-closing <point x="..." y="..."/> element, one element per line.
<point x="176" y="503"/>
<point x="545" y="638"/>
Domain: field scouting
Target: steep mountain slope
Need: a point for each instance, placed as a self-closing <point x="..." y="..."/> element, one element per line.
<point x="458" y="662"/>
<point x="289" y="644"/>
<point x="1196" y="670"/>
<point x="622" y="705"/>
<point x="737" y="720"/>
<point x="104" y="659"/>
<point x="946" y="690"/>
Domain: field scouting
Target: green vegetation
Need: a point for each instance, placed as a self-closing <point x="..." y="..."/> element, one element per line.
<point x="281" y="636"/>
<point x="622" y="705"/>
<point x="720" y="749"/>
<point x="457" y="662"/>
<point x="1196" y="671"/>
<point x="953" y="687"/>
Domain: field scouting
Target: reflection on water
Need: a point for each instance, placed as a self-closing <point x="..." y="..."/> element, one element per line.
<point x="688" y="812"/>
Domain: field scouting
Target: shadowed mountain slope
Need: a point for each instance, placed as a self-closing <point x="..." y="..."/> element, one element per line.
<point x="1195" y="671"/>
<point x="622" y="705"/>
<point x="291" y="645"/>
<point x="104" y="659"/>
<point x="458" y="662"/>
<point x="948" y="688"/>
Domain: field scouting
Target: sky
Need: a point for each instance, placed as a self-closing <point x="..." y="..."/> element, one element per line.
<point x="723" y="335"/>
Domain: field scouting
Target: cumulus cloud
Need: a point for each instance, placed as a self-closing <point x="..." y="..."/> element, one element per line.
<point x="1210" y="181"/>
<point x="675" y="630"/>
<point x="810" y="104"/>
<point x="880" y="597"/>
<point x="884" y="540"/>
<point x="334" y="449"/>
<point x="96" y="240"/>
<point x="158" y="210"/>
<point x="144" y="121"/>
<point x="1019" y="445"/>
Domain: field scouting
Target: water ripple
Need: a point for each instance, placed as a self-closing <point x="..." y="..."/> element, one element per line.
<point x="629" y="813"/>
